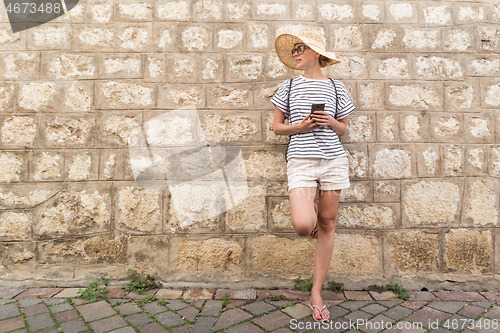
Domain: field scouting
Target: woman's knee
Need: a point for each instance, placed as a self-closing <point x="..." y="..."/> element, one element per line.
<point x="303" y="228"/>
<point x="327" y="223"/>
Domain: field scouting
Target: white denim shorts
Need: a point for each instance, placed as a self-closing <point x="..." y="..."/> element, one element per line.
<point x="330" y="174"/>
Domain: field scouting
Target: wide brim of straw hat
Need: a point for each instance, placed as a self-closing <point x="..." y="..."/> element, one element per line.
<point x="285" y="42"/>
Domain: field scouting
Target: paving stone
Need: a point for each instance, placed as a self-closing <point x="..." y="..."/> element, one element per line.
<point x="66" y="316"/>
<point x="422" y="296"/>
<point x="154" y="308"/>
<point x="95" y="311"/>
<point x="136" y="296"/>
<point x="169" y="293"/>
<point x="285" y="293"/>
<point x="124" y="330"/>
<point x="450" y="307"/>
<point x="48" y="330"/>
<point x="471" y="311"/>
<point x="390" y="304"/>
<point x="358" y="295"/>
<point x="383" y="296"/>
<point x="211" y="308"/>
<point x="273" y="320"/>
<point x="10" y="292"/>
<point x="40" y="321"/>
<point x="493" y="313"/>
<point x="139" y="319"/>
<point x="283" y="330"/>
<point x="329" y="295"/>
<point x="458" y="320"/>
<point x="108" y="324"/>
<point x="359" y="315"/>
<point x="440" y="330"/>
<point x="465" y="296"/>
<point x="189" y="313"/>
<point x="60" y="308"/>
<point x="11" y="324"/>
<point x="9" y="310"/>
<point x="35" y="309"/>
<point x="118" y="301"/>
<point x="278" y="304"/>
<point x="116" y="293"/>
<point x="398" y="312"/>
<point x="67" y="293"/>
<point x="257" y="308"/>
<point x="197" y="294"/>
<point x="79" y="301"/>
<point x="235" y="303"/>
<point x="426" y="316"/>
<point x="39" y="292"/>
<point x="181" y="329"/>
<point x="336" y="312"/>
<point x="244" y="328"/>
<point x="374" y="308"/>
<point x="236" y="293"/>
<point x="376" y="324"/>
<point x="231" y="317"/>
<point x="483" y="304"/>
<point x="152" y="328"/>
<point x="177" y="304"/>
<point x="54" y="301"/>
<point x="199" y="303"/>
<point x="297" y="311"/>
<point x="414" y="305"/>
<point x="25" y="302"/>
<point x="353" y="305"/>
<point x="203" y="325"/>
<point x="491" y="295"/>
<point x="7" y="301"/>
<point x="169" y="319"/>
<point x="74" y="326"/>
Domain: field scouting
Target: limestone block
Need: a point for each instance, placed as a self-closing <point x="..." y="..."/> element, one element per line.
<point x="265" y="165"/>
<point x="15" y="226"/>
<point x="453" y="160"/>
<point x="486" y="38"/>
<point x="73" y="213"/>
<point x="116" y="128"/>
<point x="359" y="191"/>
<point x="249" y="215"/>
<point x="62" y="66"/>
<point x="149" y="253"/>
<point x="341" y="12"/>
<point x="368" y="216"/>
<point x="18" y="259"/>
<point x="476" y="160"/>
<point x="111" y="164"/>
<point x="7" y="97"/>
<point x="385" y="38"/>
<point x="12" y="167"/>
<point x="20" y="66"/>
<point x="124" y="95"/>
<point x="39" y="97"/>
<point x="195" y="37"/>
<point x="480" y="203"/>
<point x="361" y="128"/>
<point x="414" y="127"/>
<point x="303" y="11"/>
<point x="431" y="203"/>
<point x="349" y="38"/>
<point x="212" y="68"/>
<point x="209" y="256"/>
<point x="93" y="38"/>
<point x="392" y="161"/>
<point x="137" y="37"/>
<point x="358" y="160"/>
<point x="50" y="37"/>
<point x="389" y="67"/>
<point x="19" y="131"/>
<point x="387" y="191"/>
<point x="179" y="10"/>
<point x="462" y="96"/>
<point x="79" y="96"/>
<point x="134" y="11"/>
<point x="229" y="96"/>
<point x="48" y="166"/>
<point x="278" y="188"/>
<point x="421" y="39"/>
<point x="479" y="128"/>
<point x="83" y="165"/>
<point x="402" y="12"/>
<point x="446" y="128"/>
<point x="497" y="127"/>
<point x="263" y="94"/>
<point x="76" y="15"/>
<point x="230" y="37"/>
<point x="99" y="11"/>
<point x="483" y="66"/>
<point x="244" y="67"/>
<point x="196" y="204"/>
<point x="356" y="256"/>
<point x="468" y="250"/>
<point x="438" y="68"/>
<point x="270" y="10"/>
<point x="413" y="252"/>
<point x="182" y="68"/>
<point x="429" y="162"/>
<point x="258" y="36"/>
<point x="171" y="96"/>
<point x="370" y="96"/>
<point x="171" y="130"/>
<point x="88" y="250"/>
<point x="297" y="28"/>
<point x="280" y="256"/>
<point x="350" y="67"/>
<point x="387" y="127"/>
<point x="207" y="10"/>
<point x="138" y="210"/>
<point x="120" y="66"/>
<point x="279" y="214"/>
<point x="458" y="39"/>
<point x="237" y="11"/>
<point x="414" y="96"/>
<point x="68" y="131"/>
<point x="372" y="13"/>
<point x="25" y="196"/>
<point x="228" y="127"/>
<point x="490" y="94"/>
<point x="494" y="161"/>
<point x="165" y="37"/>
<point x="437" y="14"/>
<point x="269" y="135"/>
<point x="466" y="14"/>
<point x="10" y="41"/>
<point x="494" y="12"/>
<point x="275" y="69"/>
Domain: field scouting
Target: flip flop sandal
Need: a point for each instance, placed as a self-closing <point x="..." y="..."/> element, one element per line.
<point x="320" y="311"/>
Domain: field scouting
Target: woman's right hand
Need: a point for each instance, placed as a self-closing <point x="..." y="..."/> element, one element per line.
<point x="307" y="124"/>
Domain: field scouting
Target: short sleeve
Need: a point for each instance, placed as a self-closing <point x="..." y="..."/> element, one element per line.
<point x="345" y="103"/>
<point x="280" y="99"/>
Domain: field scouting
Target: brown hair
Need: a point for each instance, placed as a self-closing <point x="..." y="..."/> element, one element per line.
<point x="323" y="61"/>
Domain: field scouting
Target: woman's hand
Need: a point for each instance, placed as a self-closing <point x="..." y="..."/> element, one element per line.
<point x="322" y="118"/>
<point x="307" y="124"/>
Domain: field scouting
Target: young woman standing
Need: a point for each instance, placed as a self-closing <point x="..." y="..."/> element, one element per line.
<point x="316" y="161"/>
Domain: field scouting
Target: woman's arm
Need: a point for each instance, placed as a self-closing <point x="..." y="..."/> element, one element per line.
<point x="324" y="119"/>
<point x="280" y="128"/>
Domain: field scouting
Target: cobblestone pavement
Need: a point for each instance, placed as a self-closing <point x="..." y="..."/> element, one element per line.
<point x="248" y="310"/>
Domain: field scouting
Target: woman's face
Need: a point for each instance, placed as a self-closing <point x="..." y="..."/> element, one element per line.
<point x="306" y="59"/>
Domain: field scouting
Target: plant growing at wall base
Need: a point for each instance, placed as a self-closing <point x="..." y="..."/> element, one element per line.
<point x="399" y="290"/>
<point x="140" y="283"/>
<point x="95" y="290"/>
<point x="337" y="287"/>
<point x="303" y="285"/>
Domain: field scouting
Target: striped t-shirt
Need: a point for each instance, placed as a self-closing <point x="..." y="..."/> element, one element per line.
<point x="321" y="142"/>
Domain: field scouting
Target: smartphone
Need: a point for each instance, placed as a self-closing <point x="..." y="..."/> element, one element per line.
<point x="317" y="107"/>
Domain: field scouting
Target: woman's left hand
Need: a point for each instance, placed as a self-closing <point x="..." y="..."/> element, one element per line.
<point x="322" y="118"/>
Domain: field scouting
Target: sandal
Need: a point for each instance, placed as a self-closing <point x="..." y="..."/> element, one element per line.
<point x="314" y="232"/>
<point x="320" y="311"/>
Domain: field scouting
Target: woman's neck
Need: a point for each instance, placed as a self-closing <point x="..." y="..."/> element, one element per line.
<point x="314" y="73"/>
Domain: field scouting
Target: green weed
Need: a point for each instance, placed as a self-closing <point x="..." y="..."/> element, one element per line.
<point x="95" y="290"/>
<point x="139" y="283"/>
<point x="303" y="285"/>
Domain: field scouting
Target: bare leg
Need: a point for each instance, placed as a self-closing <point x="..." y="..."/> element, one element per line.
<point x="327" y="218"/>
<point x="304" y="217"/>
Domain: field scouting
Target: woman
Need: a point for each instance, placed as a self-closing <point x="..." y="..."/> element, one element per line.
<point x="315" y="156"/>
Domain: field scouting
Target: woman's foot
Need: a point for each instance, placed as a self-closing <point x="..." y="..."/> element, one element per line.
<point x="320" y="311"/>
<point x="314" y="232"/>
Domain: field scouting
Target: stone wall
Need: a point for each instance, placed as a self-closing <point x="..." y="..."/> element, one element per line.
<point x="423" y="143"/>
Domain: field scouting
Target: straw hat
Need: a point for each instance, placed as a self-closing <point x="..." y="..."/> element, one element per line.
<point x="284" y="44"/>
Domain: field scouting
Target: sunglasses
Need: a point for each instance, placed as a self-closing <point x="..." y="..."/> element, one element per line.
<point x="299" y="49"/>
